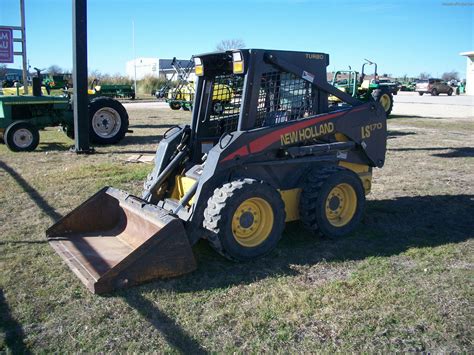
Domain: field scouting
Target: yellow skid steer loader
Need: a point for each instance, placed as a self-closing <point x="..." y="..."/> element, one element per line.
<point x="278" y="152"/>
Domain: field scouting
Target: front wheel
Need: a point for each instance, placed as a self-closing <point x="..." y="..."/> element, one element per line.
<point x="420" y="93"/>
<point x="450" y="92"/>
<point x="434" y="92"/>
<point x="108" y="121"/>
<point x="21" y="137"/>
<point x="246" y="219"/>
<point x="332" y="201"/>
<point x="175" y="105"/>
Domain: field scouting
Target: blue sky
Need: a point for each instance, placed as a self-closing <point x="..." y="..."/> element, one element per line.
<point x="403" y="37"/>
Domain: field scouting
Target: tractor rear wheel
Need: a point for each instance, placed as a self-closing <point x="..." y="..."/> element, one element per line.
<point x="332" y="201"/>
<point x="246" y="219"/>
<point x="21" y="137"/>
<point x="385" y="98"/>
<point x="218" y="107"/>
<point x="108" y="121"/>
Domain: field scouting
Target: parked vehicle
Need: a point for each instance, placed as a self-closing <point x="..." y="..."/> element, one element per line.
<point x="392" y="85"/>
<point x="433" y="87"/>
<point x="407" y="86"/>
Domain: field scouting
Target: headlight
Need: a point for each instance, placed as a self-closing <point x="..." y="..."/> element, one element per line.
<point x="198" y="67"/>
<point x="237" y="63"/>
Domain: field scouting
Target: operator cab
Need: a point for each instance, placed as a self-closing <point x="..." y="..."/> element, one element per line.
<point x="240" y="90"/>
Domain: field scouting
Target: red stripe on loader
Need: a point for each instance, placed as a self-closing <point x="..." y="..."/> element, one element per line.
<point x="267" y="140"/>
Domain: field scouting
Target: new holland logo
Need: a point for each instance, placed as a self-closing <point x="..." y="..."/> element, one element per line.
<point x="307" y="133"/>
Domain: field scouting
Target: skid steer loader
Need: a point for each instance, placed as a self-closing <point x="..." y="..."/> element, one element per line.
<point x="279" y="152"/>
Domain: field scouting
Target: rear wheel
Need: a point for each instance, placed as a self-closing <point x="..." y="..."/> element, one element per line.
<point x="385" y="98"/>
<point x="246" y="218"/>
<point x="434" y="92"/>
<point x="109" y="121"/>
<point x="420" y="93"/>
<point x="332" y="201"/>
<point x="21" y="137"/>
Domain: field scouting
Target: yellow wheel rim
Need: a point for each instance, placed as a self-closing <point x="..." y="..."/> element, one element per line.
<point x="341" y="205"/>
<point x="252" y="222"/>
<point x="385" y="102"/>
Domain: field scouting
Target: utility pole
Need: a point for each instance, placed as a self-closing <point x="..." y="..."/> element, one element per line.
<point x="81" y="100"/>
<point x="134" y="59"/>
<point x="23" y="47"/>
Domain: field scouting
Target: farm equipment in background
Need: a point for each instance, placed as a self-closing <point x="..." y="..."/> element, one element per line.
<point x="181" y="95"/>
<point x="57" y="82"/>
<point x="21" y="118"/>
<point x="364" y="89"/>
<point x="111" y="90"/>
<point x="407" y="86"/>
<point x="180" y="73"/>
<point x="49" y="82"/>
<point x="280" y="152"/>
<point x="178" y="90"/>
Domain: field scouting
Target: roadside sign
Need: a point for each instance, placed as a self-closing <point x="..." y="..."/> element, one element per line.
<point x="6" y="45"/>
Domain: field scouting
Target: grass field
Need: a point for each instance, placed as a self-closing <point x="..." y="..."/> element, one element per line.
<point x="402" y="282"/>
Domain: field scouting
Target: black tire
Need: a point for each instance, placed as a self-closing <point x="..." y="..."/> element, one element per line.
<point x="132" y="96"/>
<point x="450" y="92"/>
<point x="21" y="137"/>
<point x="218" y="107"/>
<point x="223" y="207"/>
<point x="420" y="93"/>
<point x="385" y="98"/>
<point x="69" y="131"/>
<point x="434" y="92"/>
<point x="314" y="201"/>
<point x="186" y="108"/>
<point x="108" y="121"/>
<point x="175" y="105"/>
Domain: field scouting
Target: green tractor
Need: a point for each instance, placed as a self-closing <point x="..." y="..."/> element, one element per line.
<point x="363" y="89"/>
<point x="22" y="116"/>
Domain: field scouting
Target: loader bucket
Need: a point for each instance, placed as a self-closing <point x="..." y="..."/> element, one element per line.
<point x="115" y="240"/>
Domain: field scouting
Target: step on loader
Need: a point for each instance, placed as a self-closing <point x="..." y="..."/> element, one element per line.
<point x="278" y="152"/>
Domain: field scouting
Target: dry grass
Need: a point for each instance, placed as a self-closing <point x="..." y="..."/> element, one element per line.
<point x="402" y="281"/>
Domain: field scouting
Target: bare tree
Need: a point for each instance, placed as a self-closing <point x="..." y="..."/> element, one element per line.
<point x="226" y="44"/>
<point x="55" y="69"/>
<point x="452" y="75"/>
<point x="424" y="75"/>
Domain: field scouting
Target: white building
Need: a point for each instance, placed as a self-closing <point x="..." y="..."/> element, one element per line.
<point x="156" y="67"/>
<point x="469" y="72"/>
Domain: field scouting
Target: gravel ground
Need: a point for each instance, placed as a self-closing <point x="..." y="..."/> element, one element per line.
<point x="443" y="106"/>
<point x="405" y="104"/>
